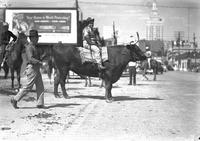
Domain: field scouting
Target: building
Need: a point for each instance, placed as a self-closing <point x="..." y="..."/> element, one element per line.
<point x="154" y="26"/>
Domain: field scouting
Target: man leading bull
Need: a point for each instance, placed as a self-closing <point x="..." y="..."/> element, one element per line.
<point x="34" y="61"/>
<point x="90" y="42"/>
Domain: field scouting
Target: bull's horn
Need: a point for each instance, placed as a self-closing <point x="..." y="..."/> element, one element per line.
<point x="138" y="36"/>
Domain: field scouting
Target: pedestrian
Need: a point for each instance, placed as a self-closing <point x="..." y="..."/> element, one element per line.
<point x="32" y="71"/>
<point x="149" y="56"/>
<point x="132" y="73"/>
<point x="5" y="40"/>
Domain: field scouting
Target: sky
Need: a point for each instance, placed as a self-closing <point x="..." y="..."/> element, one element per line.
<point x="130" y="16"/>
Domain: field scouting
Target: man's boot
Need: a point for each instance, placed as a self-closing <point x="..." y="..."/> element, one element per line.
<point x="14" y="103"/>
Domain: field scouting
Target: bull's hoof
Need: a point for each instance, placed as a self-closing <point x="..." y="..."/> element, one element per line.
<point x="109" y="100"/>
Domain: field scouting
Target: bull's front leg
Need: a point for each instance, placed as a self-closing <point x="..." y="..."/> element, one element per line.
<point x="62" y="83"/>
<point x="108" y="94"/>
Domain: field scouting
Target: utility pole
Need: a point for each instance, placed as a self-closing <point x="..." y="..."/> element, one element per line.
<point x="178" y="45"/>
<point x="114" y="34"/>
<point x="194" y="43"/>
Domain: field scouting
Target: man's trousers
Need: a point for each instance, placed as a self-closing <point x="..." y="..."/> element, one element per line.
<point x="33" y="77"/>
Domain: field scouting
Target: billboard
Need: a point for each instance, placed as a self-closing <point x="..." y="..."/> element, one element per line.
<point x="53" y="25"/>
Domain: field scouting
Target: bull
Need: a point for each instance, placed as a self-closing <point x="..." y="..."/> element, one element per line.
<point x="68" y="58"/>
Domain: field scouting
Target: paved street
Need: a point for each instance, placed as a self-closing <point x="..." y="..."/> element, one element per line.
<point x="166" y="109"/>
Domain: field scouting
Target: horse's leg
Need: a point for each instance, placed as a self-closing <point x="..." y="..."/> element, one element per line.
<point x="6" y="70"/>
<point x="154" y="72"/>
<point x="49" y="72"/>
<point x="144" y="74"/>
<point x="108" y="95"/>
<point x="12" y="77"/>
<point x="56" y="83"/>
<point x="18" y="77"/>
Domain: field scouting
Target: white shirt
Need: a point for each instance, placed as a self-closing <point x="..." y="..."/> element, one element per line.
<point x="132" y="64"/>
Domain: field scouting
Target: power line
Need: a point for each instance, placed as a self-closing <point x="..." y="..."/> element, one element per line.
<point x="136" y="5"/>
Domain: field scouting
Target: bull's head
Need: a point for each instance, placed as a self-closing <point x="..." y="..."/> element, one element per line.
<point x="136" y="52"/>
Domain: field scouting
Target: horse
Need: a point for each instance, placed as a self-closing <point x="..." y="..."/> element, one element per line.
<point x="145" y="67"/>
<point x="68" y="57"/>
<point x="14" y="57"/>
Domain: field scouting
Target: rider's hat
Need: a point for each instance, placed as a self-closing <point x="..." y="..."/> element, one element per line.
<point x="89" y="19"/>
<point x="33" y="33"/>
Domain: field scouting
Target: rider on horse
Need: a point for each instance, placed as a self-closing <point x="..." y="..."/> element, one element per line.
<point x="5" y="39"/>
<point x="90" y="42"/>
<point x="148" y="55"/>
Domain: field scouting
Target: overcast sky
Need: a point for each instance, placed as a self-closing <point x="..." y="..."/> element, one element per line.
<point x="130" y="15"/>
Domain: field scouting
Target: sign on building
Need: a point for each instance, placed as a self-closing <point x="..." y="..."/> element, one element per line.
<point x="53" y="25"/>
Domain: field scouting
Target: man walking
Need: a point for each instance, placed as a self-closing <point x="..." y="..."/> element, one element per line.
<point x="148" y="55"/>
<point x="32" y="71"/>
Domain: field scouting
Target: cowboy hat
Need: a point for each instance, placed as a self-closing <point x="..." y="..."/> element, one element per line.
<point x="5" y="24"/>
<point x="89" y="19"/>
<point x="33" y="33"/>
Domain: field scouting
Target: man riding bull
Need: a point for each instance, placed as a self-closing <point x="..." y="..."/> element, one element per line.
<point x="90" y="42"/>
<point x="148" y="55"/>
<point x="5" y="40"/>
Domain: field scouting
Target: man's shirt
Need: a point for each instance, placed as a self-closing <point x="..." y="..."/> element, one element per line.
<point x="89" y="35"/>
<point x="131" y="64"/>
<point x="33" y="54"/>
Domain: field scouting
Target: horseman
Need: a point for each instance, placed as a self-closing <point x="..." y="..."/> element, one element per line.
<point x="91" y="42"/>
<point x="5" y="40"/>
<point x="148" y="55"/>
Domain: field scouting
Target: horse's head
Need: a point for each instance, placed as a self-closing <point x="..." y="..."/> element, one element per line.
<point x="136" y="53"/>
<point x="22" y="36"/>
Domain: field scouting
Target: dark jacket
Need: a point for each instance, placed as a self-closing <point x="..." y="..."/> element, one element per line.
<point x="5" y="37"/>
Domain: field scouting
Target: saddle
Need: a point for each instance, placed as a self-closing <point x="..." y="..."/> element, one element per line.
<point x="86" y="55"/>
